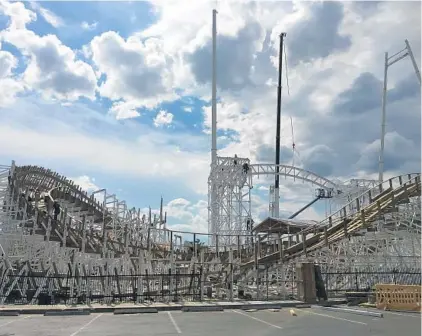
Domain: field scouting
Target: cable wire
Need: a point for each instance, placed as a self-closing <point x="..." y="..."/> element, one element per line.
<point x="287" y="76"/>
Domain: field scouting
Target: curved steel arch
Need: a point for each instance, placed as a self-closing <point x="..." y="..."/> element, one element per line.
<point x="294" y="172"/>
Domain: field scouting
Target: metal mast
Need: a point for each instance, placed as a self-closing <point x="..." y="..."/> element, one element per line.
<point x="277" y="138"/>
<point x="407" y="51"/>
<point x="214" y="90"/>
<point x="213" y="196"/>
<point x="412" y="58"/>
<point x="383" y="112"/>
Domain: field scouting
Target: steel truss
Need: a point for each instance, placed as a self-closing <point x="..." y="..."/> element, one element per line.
<point x="231" y="212"/>
<point x="99" y="236"/>
<point x="230" y="215"/>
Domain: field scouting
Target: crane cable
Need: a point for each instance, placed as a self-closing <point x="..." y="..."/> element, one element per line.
<point x="287" y="76"/>
<point x="293" y="146"/>
<point x="291" y="119"/>
<point x="294" y="150"/>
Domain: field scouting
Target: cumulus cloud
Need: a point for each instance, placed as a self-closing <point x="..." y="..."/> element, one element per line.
<point x="50" y="17"/>
<point x="266" y="153"/>
<point x="76" y="135"/>
<point x="136" y="71"/>
<point x="89" y="26"/>
<point x="354" y="125"/>
<point x="236" y="56"/>
<point x="52" y="68"/>
<point x="335" y="104"/>
<point x="319" y="159"/>
<point x="124" y="110"/>
<point x="85" y="182"/>
<point x="399" y="153"/>
<point x="163" y="118"/>
<point x="187" y="216"/>
<point x="317" y="36"/>
<point x="18" y="15"/>
<point x="10" y="86"/>
<point x="7" y="63"/>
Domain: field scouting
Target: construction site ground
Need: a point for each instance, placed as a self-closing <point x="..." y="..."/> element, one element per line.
<point x="232" y="322"/>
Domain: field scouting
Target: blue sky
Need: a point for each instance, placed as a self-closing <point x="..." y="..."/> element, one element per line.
<point x="116" y="95"/>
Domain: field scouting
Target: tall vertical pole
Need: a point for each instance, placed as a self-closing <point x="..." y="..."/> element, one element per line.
<point x="214" y="90"/>
<point x="277" y="138"/>
<point x="388" y="62"/>
<point x="384" y="104"/>
<point x="212" y="225"/>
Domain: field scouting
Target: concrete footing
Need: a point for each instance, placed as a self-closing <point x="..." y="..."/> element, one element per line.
<point x="135" y="311"/>
<point x="202" y="308"/>
<point x="66" y="312"/>
<point x="261" y="306"/>
<point x="9" y="313"/>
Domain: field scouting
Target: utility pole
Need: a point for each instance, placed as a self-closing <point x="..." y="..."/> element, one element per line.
<point x="389" y="61"/>
<point x="277" y="137"/>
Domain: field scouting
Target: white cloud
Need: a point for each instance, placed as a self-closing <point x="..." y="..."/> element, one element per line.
<point x="315" y="83"/>
<point x="163" y="118"/>
<point x="187" y="109"/>
<point x="136" y="71"/>
<point x="7" y="63"/>
<point x="52" y="67"/>
<point x="18" y="14"/>
<point x="48" y="15"/>
<point x="74" y="136"/>
<point x="85" y="182"/>
<point x="9" y="85"/>
<point x="51" y="18"/>
<point x="263" y="188"/>
<point x="371" y="37"/>
<point x="9" y="88"/>
<point x="398" y="154"/>
<point x="186" y="216"/>
<point x="124" y="110"/>
<point x="89" y="26"/>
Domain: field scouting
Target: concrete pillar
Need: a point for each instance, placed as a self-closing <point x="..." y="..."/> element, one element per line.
<point x="306" y="289"/>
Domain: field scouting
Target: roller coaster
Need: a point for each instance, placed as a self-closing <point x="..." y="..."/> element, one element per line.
<point x="99" y="249"/>
<point x="58" y="243"/>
